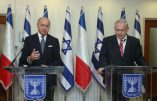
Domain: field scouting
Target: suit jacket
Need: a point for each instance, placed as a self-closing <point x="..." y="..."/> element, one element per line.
<point x="50" y="56"/>
<point x="110" y="52"/>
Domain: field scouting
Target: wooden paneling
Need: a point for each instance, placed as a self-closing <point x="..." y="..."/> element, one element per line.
<point x="2" y="19"/>
<point x="3" y="93"/>
<point x="150" y="23"/>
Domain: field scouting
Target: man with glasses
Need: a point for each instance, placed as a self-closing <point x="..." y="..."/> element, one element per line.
<point x="42" y="49"/>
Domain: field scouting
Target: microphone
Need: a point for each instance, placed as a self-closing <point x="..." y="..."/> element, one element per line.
<point x="12" y="62"/>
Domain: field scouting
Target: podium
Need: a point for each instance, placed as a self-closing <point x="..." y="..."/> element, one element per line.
<point x="130" y="83"/>
<point x="32" y="80"/>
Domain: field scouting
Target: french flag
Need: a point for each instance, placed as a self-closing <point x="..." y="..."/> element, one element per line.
<point x="8" y="53"/>
<point x="83" y="71"/>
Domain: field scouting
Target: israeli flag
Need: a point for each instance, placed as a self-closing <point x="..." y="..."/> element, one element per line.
<point x="137" y="26"/>
<point x="67" y="77"/>
<point x="123" y="16"/>
<point x="27" y="25"/>
<point x="26" y="33"/>
<point x="98" y="45"/>
<point x="45" y="12"/>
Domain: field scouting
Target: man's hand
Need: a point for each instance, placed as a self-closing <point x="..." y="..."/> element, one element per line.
<point x="100" y="70"/>
<point x="34" y="55"/>
<point x="43" y="65"/>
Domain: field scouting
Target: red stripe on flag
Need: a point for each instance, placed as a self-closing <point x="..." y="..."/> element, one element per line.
<point x="83" y="74"/>
<point x="6" y="76"/>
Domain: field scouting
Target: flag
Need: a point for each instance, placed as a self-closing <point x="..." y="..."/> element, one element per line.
<point x="123" y="16"/>
<point x="67" y="77"/>
<point x="8" y="53"/>
<point x="137" y="26"/>
<point x="27" y="27"/>
<point x="27" y="24"/>
<point x="45" y="12"/>
<point x="26" y="33"/>
<point x="83" y="72"/>
<point x="98" y="45"/>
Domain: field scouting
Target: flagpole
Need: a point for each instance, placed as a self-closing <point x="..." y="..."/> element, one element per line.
<point x="100" y="95"/>
<point x="8" y="95"/>
<point x="65" y="97"/>
<point x="84" y="97"/>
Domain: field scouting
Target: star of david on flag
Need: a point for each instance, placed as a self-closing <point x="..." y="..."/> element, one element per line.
<point x="98" y="45"/>
<point x="67" y="77"/>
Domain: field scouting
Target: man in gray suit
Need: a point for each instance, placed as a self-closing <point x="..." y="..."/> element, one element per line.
<point x="42" y="49"/>
<point x="120" y="50"/>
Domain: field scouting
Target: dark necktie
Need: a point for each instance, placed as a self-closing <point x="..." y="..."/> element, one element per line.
<point x="121" y="48"/>
<point x="42" y="43"/>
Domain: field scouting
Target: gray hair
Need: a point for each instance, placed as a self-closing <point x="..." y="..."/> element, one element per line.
<point x="122" y="21"/>
<point x="43" y="18"/>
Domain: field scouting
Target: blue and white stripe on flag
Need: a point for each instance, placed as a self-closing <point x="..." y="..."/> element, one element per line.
<point x="26" y="33"/>
<point x="137" y="26"/>
<point x="123" y="16"/>
<point x="45" y="12"/>
<point x="27" y="24"/>
<point x="98" y="45"/>
<point x="67" y="77"/>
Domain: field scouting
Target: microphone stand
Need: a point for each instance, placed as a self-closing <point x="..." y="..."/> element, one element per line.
<point x="12" y="63"/>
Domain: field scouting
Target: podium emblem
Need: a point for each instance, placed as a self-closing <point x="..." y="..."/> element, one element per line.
<point x="132" y="85"/>
<point x="34" y="87"/>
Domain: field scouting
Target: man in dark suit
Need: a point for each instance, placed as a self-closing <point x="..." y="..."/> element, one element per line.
<point x="42" y="49"/>
<point x="120" y="50"/>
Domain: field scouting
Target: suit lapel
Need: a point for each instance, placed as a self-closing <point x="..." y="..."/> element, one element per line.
<point x="46" y="44"/>
<point x="127" y="46"/>
<point x="116" y="46"/>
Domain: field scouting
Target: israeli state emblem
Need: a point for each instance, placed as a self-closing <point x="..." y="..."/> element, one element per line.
<point x="132" y="85"/>
<point x="34" y="87"/>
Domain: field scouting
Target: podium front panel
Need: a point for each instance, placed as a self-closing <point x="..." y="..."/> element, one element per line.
<point x="125" y="83"/>
<point x="32" y="80"/>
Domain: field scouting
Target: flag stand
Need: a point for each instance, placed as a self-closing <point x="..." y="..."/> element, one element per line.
<point x="100" y="95"/>
<point x="65" y="97"/>
<point x="84" y="97"/>
<point x="9" y="94"/>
